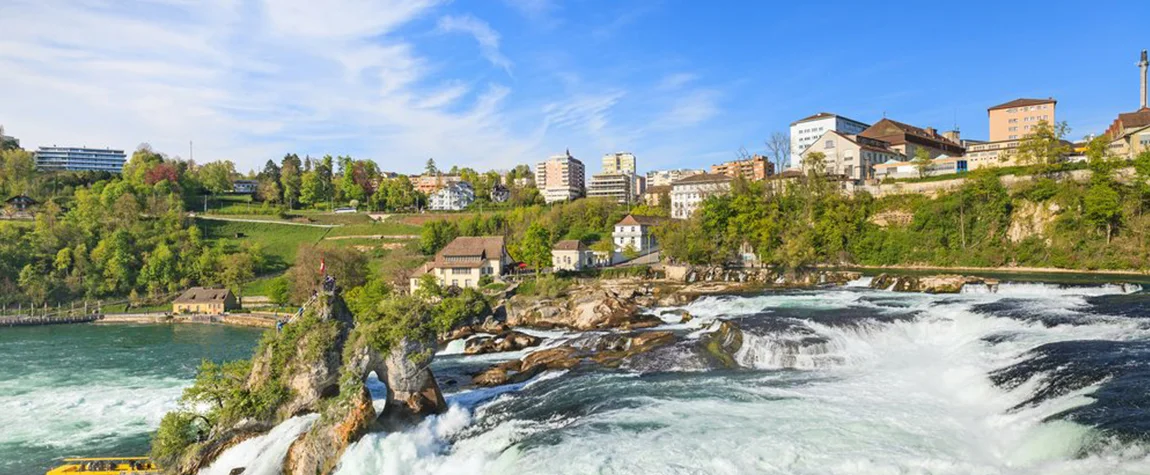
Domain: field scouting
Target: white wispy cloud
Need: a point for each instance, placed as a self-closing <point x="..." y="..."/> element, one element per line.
<point x="250" y="80"/>
<point x="487" y="38"/>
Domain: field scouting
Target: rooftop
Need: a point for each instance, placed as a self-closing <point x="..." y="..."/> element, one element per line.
<point x="474" y="247"/>
<point x="633" y="220"/>
<point x="570" y="245"/>
<point x="703" y="178"/>
<point x="1022" y="102"/>
<point x="896" y="133"/>
<point x="821" y="115"/>
<point x="203" y="294"/>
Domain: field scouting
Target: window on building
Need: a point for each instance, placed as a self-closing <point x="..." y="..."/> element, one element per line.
<point x="829" y="144"/>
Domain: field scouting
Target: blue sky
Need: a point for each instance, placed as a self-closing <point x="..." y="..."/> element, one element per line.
<point x="493" y="83"/>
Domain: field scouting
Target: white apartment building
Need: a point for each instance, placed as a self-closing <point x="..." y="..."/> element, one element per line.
<point x="667" y="177"/>
<point x="686" y="194"/>
<point x="619" y="162"/>
<point x="851" y="156"/>
<point x="805" y="132"/>
<point x="452" y="197"/>
<point x="618" y="187"/>
<point x="560" y="178"/>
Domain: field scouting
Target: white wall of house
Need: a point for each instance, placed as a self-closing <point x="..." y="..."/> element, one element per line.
<point x="804" y="134"/>
<point x="685" y="198"/>
<point x="640" y="238"/>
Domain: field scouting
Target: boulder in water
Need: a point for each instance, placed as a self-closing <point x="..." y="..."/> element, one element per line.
<point x="511" y="341"/>
<point x="931" y="284"/>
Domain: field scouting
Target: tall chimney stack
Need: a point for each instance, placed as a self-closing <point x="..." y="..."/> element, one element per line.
<point x="1143" y="64"/>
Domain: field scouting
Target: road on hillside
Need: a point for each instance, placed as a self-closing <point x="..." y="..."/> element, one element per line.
<point x="269" y="221"/>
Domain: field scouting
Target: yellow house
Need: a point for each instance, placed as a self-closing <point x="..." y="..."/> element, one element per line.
<point x="205" y="300"/>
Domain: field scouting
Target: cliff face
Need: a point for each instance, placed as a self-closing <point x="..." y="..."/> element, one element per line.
<point x="320" y="361"/>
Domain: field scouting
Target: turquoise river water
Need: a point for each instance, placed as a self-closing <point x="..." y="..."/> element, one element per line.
<point x="97" y="390"/>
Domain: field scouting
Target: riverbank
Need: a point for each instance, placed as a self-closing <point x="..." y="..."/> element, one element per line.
<point x="257" y="320"/>
<point x="1038" y="274"/>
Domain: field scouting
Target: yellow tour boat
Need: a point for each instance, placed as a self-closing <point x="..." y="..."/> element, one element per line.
<point x="106" y="466"/>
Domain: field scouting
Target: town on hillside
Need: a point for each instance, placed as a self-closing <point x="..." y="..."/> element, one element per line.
<point x="349" y="201"/>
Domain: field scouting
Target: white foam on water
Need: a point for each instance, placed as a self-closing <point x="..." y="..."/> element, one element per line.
<point x="102" y="405"/>
<point x="863" y="281"/>
<point x="900" y="397"/>
<point x="262" y="455"/>
<point x="454" y="347"/>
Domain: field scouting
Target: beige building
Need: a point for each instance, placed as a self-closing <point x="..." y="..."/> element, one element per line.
<point x="619" y="162"/>
<point x="205" y="300"/>
<point x="617" y="187"/>
<point x="572" y="255"/>
<point x="992" y="154"/>
<point x="851" y="156"/>
<point x="667" y="177"/>
<point x="466" y="260"/>
<point x="655" y="194"/>
<point x="909" y="169"/>
<point x="428" y="184"/>
<point x="756" y="168"/>
<point x="688" y="193"/>
<point x="908" y="139"/>
<point x="1132" y="142"/>
<point x="1017" y="118"/>
<point x="561" y="178"/>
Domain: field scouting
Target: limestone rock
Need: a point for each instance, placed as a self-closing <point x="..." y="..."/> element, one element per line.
<point x="611" y="350"/>
<point x="586" y="309"/>
<point x="931" y="284"/>
<point x="318" y="451"/>
<point x="412" y="390"/>
<point x="511" y="341"/>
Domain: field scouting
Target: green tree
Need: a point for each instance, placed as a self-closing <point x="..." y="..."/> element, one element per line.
<point x="160" y="271"/>
<point x="921" y="161"/>
<point x="430" y="168"/>
<point x="1103" y="207"/>
<point x="279" y="291"/>
<point x="217" y="176"/>
<point x="312" y="189"/>
<point x="535" y="249"/>
<point x="1044" y="147"/>
<point x="17" y="172"/>
<point x="238" y="268"/>
<point x="291" y="179"/>
<point x="437" y="234"/>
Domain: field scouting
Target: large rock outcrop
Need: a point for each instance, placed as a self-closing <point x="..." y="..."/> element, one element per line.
<point x="610" y="350"/>
<point x="321" y="361"/>
<point x="761" y="276"/>
<point x="586" y="308"/>
<point x="931" y="284"/>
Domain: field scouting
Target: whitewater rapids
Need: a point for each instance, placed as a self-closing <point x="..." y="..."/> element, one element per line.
<point x="1034" y="379"/>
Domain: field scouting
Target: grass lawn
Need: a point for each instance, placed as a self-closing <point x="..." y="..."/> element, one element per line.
<point x="123" y="308"/>
<point x="387" y="228"/>
<point x="260" y="286"/>
<point x="423" y="218"/>
<point x="280" y="242"/>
